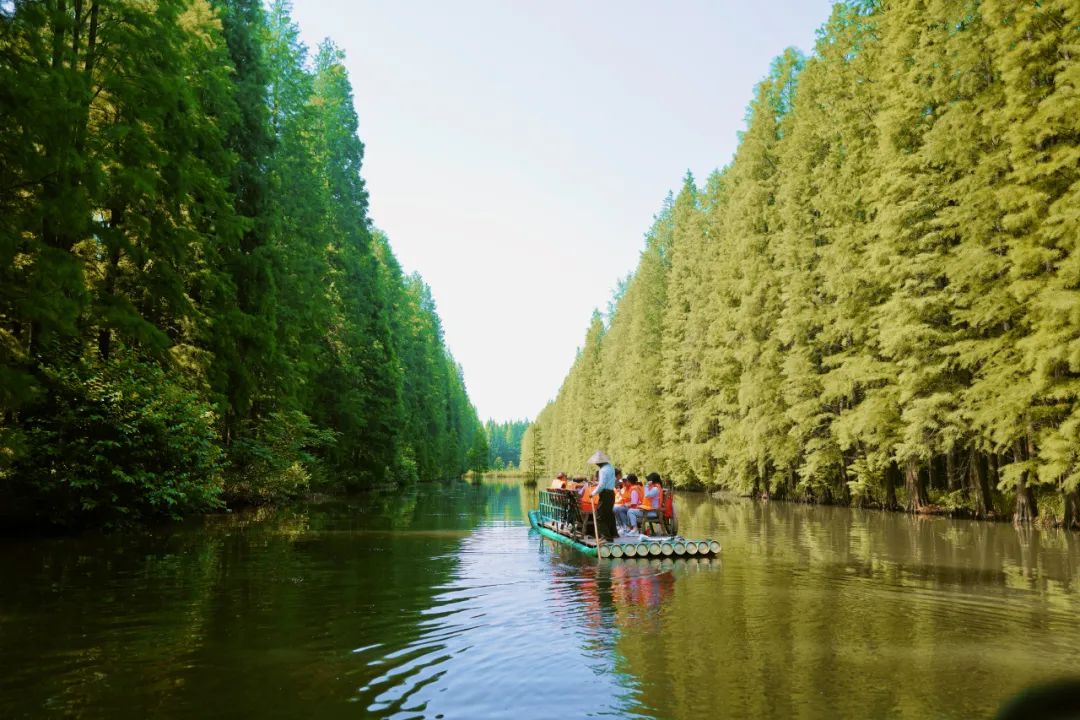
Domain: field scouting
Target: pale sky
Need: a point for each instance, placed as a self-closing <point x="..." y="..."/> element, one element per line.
<point x="516" y="152"/>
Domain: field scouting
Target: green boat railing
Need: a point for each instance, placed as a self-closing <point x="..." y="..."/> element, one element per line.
<point x="534" y="520"/>
<point x="549" y="507"/>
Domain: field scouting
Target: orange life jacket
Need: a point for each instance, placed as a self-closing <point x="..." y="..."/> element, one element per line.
<point x="622" y="495"/>
<point x="647" y="503"/>
<point x="588" y="502"/>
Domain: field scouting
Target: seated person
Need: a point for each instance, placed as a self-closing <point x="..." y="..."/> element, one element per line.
<point x="559" y="483"/>
<point x="587" y="502"/>
<point x="653" y="502"/>
<point x="622" y="495"/>
<point x="633" y="504"/>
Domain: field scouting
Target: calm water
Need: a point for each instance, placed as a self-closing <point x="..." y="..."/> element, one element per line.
<point x="442" y="604"/>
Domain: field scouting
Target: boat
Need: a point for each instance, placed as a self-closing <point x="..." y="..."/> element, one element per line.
<point x="559" y="517"/>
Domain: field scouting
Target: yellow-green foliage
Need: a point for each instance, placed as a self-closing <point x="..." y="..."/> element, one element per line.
<point x="878" y="300"/>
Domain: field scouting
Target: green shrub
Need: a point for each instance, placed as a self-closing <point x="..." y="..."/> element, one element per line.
<point x="107" y="443"/>
<point x="273" y="459"/>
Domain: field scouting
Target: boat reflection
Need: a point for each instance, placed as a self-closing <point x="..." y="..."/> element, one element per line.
<point x="618" y="596"/>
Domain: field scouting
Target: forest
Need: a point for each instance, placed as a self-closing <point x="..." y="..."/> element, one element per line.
<point x="877" y="301"/>
<point x="504" y="443"/>
<point x="195" y="308"/>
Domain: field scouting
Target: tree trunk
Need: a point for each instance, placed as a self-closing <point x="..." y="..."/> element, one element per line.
<point x="780" y="492"/>
<point x="1026" y="510"/>
<point x="88" y="70"/>
<point x="915" y="483"/>
<point x="59" y="18"/>
<point x="980" y="476"/>
<point x="54" y="153"/>
<point x="845" y="489"/>
<point x="892" y="479"/>
<point x="75" y="32"/>
<point x="116" y="221"/>
<point x="1071" y="518"/>
<point x="952" y="477"/>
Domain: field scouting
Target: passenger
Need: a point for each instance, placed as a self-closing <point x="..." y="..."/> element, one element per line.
<point x="621" y="490"/>
<point x="584" y="483"/>
<point x="633" y="505"/>
<point x="562" y="500"/>
<point x="583" y="495"/>
<point x="605" y="494"/>
<point x="652" y="505"/>
<point x="559" y="483"/>
<point x="622" y="504"/>
<point x="586" y="501"/>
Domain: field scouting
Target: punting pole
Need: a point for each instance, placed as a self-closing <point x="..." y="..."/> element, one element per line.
<point x="596" y="529"/>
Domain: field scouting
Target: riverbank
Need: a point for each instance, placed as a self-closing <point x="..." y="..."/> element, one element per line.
<point x="519" y="474"/>
<point x="1050" y="515"/>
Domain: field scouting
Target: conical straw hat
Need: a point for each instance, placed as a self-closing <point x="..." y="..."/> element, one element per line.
<point x="599" y="457"/>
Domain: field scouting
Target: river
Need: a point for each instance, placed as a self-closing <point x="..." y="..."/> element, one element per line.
<point x="441" y="603"/>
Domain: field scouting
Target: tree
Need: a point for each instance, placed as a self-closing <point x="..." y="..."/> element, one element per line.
<point x="535" y="454"/>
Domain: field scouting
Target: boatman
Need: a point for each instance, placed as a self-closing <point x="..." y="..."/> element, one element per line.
<point x="605" y="511"/>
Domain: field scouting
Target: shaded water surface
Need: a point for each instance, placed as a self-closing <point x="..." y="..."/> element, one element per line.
<point x="440" y="603"/>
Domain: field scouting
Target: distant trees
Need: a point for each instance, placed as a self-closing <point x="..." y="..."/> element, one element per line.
<point x="193" y="303"/>
<point x="875" y="302"/>
<point x="504" y="442"/>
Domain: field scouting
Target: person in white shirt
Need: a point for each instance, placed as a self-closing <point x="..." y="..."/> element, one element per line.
<point x="605" y="492"/>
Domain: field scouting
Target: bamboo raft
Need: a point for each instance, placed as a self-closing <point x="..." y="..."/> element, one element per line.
<point x="562" y="521"/>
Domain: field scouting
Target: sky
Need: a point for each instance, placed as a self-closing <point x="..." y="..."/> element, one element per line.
<point x="516" y="153"/>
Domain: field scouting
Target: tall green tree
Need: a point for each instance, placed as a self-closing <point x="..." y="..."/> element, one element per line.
<point x="358" y="384"/>
<point x="243" y="307"/>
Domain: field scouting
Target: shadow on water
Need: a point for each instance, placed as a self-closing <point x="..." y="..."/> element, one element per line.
<point x="242" y="614"/>
<point x="439" y="602"/>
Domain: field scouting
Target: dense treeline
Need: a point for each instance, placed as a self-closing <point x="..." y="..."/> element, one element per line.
<point x="877" y="301"/>
<point x="504" y="443"/>
<point x="194" y="305"/>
